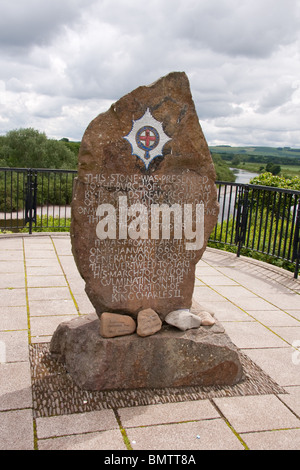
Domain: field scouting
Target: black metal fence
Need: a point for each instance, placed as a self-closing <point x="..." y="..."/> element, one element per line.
<point x="38" y="199"/>
<point x="257" y="218"/>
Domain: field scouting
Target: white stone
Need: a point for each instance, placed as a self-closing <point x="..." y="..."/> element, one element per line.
<point x="183" y="319"/>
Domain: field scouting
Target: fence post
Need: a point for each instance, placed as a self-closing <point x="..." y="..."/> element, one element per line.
<point x="242" y="217"/>
<point x="30" y="200"/>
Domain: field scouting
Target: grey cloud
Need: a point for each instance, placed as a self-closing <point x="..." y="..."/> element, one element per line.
<point x="235" y="28"/>
<point x="24" y="23"/>
<point x="277" y="95"/>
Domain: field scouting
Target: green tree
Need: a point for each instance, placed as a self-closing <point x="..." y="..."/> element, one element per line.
<point x="274" y="169"/>
<point x="29" y="148"/>
<point x="236" y="161"/>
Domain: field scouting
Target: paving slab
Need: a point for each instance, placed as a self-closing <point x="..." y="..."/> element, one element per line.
<point x="257" y="413"/>
<point x="16" y="345"/>
<point x="200" y="435"/>
<point x="288" y="439"/>
<point x="292" y="399"/>
<point x="45" y="326"/>
<point x="76" y="423"/>
<point x="52" y="307"/>
<point x="105" y="440"/>
<point x="291" y="334"/>
<point x="46" y="281"/>
<point x="273" y="318"/>
<point x="278" y="364"/>
<point x="15" y="386"/>
<point x="252" y="335"/>
<point x="16" y="428"/>
<point x="49" y="293"/>
<point x="167" y="413"/>
<point x="12" y="297"/>
<point x="13" y="318"/>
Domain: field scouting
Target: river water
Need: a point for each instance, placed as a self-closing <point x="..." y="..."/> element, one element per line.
<point x="243" y="176"/>
<point x="228" y="194"/>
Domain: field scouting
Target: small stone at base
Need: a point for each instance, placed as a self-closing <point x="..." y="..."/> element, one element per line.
<point x="114" y="324"/>
<point x="183" y="319"/>
<point x="148" y="322"/>
<point x="206" y="318"/>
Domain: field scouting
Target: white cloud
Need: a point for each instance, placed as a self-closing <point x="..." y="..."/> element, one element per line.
<point x="62" y="63"/>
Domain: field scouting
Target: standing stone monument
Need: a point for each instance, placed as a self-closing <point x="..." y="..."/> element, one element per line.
<point x="144" y="205"/>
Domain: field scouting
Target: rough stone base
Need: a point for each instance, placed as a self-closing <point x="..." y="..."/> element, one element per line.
<point x="170" y="358"/>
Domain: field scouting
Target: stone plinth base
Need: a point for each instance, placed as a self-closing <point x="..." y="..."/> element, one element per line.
<point x="170" y="358"/>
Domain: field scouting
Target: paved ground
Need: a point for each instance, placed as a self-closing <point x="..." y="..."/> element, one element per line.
<point x="258" y="305"/>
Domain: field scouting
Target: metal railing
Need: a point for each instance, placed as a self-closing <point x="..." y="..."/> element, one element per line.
<point x="261" y="219"/>
<point x="38" y="199"/>
<point x="257" y="218"/>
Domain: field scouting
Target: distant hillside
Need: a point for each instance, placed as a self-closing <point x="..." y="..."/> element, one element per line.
<point x="257" y="151"/>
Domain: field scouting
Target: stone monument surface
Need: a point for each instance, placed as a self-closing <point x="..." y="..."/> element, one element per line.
<point x="144" y="205"/>
<point x="144" y="202"/>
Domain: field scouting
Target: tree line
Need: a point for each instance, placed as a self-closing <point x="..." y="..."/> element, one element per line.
<point x="30" y="148"/>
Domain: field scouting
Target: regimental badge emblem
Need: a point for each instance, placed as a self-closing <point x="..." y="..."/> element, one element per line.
<point x="147" y="138"/>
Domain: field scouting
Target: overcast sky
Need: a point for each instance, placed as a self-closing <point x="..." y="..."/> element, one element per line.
<point x="62" y="62"/>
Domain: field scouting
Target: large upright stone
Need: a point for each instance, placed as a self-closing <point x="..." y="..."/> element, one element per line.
<point x="144" y="201"/>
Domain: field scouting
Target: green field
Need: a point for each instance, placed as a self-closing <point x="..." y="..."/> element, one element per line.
<point x="257" y="151"/>
<point x="256" y="159"/>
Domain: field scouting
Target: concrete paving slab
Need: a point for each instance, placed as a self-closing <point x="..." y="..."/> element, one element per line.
<point x="105" y="440"/>
<point x="45" y="326"/>
<point x="40" y="262"/>
<point x="207" y="294"/>
<point x="216" y="280"/>
<point x="15" y="386"/>
<point x="257" y="413"/>
<point x="288" y="333"/>
<point x="200" y="435"/>
<point x="79" y="423"/>
<point x="12" y="267"/>
<point x="235" y="292"/>
<point x="167" y="413"/>
<point x="12" y="281"/>
<point x="54" y="270"/>
<point x="253" y="303"/>
<point x="49" y="293"/>
<point x="13" y="318"/>
<point x="16" y="345"/>
<point x="293" y="313"/>
<point x="272" y="318"/>
<point x="52" y="307"/>
<point x="12" y="297"/>
<point x="292" y="400"/>
<point x="84" y="304"/>
<point x="11" y="255"/>
<point x="16" y="430"/>
<point x="288" y="439"/>
<point x="38" y="254"/>
<point x="277" y="363"/>
<point x="46" y="281"/>
<point x="284" y="301"/>
<point x="252" y="335"/>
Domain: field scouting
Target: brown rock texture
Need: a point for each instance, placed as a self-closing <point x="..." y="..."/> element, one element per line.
<point x="128" y="264"/>
<point x="169" y="358"/>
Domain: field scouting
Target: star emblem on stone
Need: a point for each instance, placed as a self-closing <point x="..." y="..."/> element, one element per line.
<point x="147" y="138"/>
